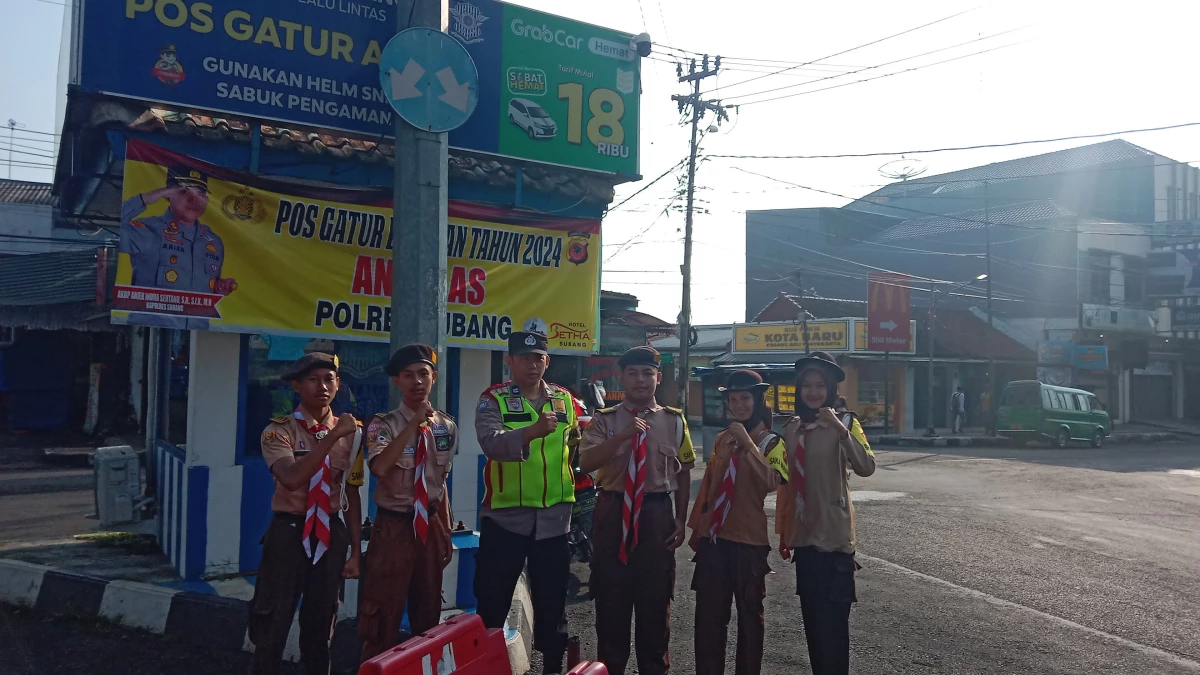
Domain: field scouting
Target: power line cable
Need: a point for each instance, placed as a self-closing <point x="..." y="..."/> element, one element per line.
<point x="647" y="186"/>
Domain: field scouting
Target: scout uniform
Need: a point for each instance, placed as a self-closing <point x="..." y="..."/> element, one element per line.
<point x="730" y="522"/>
<point x="633" y="570"/>
<point x="411" y="534"/>
<point x="815" y="518"/>
<point x="293" y="565"/>
<point x="526" y="513"/>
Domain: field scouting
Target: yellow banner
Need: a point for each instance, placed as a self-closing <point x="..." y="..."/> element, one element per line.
<point x="788" y="337"/>
<point x="205" y="248"/>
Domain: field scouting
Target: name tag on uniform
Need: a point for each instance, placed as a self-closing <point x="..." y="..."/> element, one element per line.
<point x="440" y="430"/>
<point x="514" y="404"/>
<point x="410" y="450"/>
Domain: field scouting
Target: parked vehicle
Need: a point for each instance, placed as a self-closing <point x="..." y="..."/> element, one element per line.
<point x="1031" y="410"/>
<point x="532" y="118"/>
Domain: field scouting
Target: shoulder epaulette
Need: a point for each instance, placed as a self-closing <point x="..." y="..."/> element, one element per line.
<point x="674" y="411"/>
<point x="558" y="389"/>
<point x="448" y="416"/>
<point x="282" y="419"/>
<point x="382" y="415"/>
<point x="494" y="387"/>
<point x="357" y="422"/>
<point x="608" y="411"/>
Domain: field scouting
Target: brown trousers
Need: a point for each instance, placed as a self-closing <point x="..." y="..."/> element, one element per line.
<point x="729" y="573"/>
<point x="285" y="574"/>
<point x="401" y="571"/>
<point x="646" y="585"/>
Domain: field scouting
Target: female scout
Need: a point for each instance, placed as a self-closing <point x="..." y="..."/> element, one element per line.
<point x="729" y="528"/>
<point x="814" y="516"/>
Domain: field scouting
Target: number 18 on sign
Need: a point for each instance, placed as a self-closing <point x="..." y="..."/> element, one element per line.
<point x="888" y="312"/>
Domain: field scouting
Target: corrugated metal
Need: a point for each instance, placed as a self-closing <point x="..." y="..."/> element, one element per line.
<point x="1012" y="214"/>
<point x="48" y="278"/>
<point x="25" y="192"/>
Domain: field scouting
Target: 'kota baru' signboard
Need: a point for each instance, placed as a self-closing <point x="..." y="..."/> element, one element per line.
<point x="829" y="336"/>
<point x="210" y="249"/>
<point x="550" y="89"/>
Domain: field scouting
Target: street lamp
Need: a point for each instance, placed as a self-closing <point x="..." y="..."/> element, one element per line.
<point x="981" y="277"/>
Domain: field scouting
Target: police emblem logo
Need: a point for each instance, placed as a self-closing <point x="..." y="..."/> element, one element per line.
<point x="171" y="276"/>
<point x="174" y="259"/>
<point x="442" y="442"/>
<point x="530" y="341"/>
<point x="559" y="405"/>
<point x="483" y="404"/>
<point x="514" y="404"/>
<point x="577" y="247"/>
<point x="243" y="205"/>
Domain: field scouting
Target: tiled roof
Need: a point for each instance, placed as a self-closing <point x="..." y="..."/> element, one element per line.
<point x="580" y="186"/>
<point x="1012" y="214"/>
<point x="48" y="278"/>
<point x="1072" y="159"/>
<point x="25" y="192"/>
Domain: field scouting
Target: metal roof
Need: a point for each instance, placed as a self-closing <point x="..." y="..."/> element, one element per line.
<point x="1012" y="214"/>
<point x="25" y="192"/>
<point x="1072" y="159"/>
<point x="48" y="278"/>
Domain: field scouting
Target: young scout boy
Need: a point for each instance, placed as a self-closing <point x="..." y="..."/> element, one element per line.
<point x="642" y="453"/>
<point x="409" y="451"/>
<point x="527" y="428"/>
<point x="304" y="551"/>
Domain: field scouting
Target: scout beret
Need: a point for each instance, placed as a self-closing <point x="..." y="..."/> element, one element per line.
<point x="822" y="360"/>
<point x="640" y="356"/>
<point x="309" y="362"/>
<point x="185" y="176"/>
<point x="409" y="354"/>
<point x="744" y="380"/>
<point x="526" y="342"/>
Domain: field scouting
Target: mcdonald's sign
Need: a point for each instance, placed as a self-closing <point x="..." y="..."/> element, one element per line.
<point x="888" y="312"/>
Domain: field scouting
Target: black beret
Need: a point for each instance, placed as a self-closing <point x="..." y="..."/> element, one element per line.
<point x="525" y="342"/>
<point x="308" y="362"/>
<point x="640" y="356"/>
<point x="409" y="354"/>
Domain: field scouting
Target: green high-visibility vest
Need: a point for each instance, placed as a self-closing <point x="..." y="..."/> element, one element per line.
<point x="546" y="478"/>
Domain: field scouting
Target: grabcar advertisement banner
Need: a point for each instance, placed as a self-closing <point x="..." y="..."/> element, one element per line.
<point x="550" y="89"/>
<point x="207" y="248"/>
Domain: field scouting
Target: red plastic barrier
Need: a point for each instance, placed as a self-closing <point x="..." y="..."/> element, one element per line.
<point x="588" y="668"/>
<point x="460" y="645"/>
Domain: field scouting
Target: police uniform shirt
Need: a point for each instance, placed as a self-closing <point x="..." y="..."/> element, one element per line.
<point x="394" y="491"/>
<point x="508" y="445"/>
<point x="167" y="254"/>
<point x="289" y="437"/>
<point x="668" y="448"/>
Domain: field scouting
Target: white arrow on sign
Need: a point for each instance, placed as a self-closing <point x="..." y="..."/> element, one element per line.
<point x="457" y="95"/>
<point x="888" y="325"/>
<point x="404" y="85"/>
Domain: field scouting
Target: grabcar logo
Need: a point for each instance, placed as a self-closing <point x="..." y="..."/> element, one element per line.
<point x="545" y="34"/>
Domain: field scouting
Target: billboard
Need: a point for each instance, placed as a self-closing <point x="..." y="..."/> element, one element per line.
<point x="888" y="312"/>
<point x="210" y="249"/>
<point x="550" y="89"/>
<point x="829" y="336"/>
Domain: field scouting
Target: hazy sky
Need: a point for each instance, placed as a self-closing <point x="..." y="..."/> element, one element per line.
<point x="1079" y="68"/>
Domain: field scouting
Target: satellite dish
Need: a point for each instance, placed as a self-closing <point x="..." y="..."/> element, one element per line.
<point x="902" y="169"/>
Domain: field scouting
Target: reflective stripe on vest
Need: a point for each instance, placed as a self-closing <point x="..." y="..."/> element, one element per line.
<point x="546" y="478"/>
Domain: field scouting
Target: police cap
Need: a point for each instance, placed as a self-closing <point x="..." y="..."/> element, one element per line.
<point x="526" y="342"/>
<point x="186" y="176"/>
<point x="410" y="354"/>
<point x="640" y="356"/>
<point x="309" y="362"/>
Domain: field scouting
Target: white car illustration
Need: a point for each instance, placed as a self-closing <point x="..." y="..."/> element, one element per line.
<point x="532" y="118"/>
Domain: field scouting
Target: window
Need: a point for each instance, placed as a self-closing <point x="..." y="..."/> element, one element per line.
<point x="1172" y="205"/>
<point x="1082" y="402"/>
<point x="1022" y="395"/>
<point x="1194" y="207"/>
<point x="1055" y="401"/>
<point x="1068" y="401"/>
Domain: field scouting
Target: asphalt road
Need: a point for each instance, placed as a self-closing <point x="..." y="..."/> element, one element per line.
<point x="975" y="561"/>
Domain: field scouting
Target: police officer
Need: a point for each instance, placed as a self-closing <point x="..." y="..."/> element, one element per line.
<point x="526" y="429"/>
<point x="174" y="250"/>
<point x="642" y="453"/>
<point x="409" y="451"/>
<point x="304" y="550"/>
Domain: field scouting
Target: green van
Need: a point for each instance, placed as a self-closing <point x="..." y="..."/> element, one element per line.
<point x="1031" y="410"/>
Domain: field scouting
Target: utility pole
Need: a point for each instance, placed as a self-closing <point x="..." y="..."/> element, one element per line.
<point x="698" y="109"/>
<point x="932" y="317"/>
<point x="991" y="372"/>
<point x="12" y="125"/>
<point x="419" y="223"/>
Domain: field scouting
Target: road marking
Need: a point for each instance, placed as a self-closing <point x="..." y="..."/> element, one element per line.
<point x="1066" y="623"/>
<point x="1185" y="472"/>
<point x="874" y="496"/>
<point x="975" y="459"/>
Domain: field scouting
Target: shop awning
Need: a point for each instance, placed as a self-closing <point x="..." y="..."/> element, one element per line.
<point x="60" y="290"/>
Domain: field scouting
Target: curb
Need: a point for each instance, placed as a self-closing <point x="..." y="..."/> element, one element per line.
<point x="1118" y="438"/>
<point x="176" y="614"/>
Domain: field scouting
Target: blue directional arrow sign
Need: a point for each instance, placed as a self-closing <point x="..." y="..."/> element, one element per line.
<point x="429" y="78"/>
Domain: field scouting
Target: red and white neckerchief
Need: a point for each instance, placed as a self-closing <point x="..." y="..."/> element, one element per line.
<point x="798" y="476"/>
<point x="420" y="488"/>
<point x="635" y="484"/>
<point x="316" y="517"/>
<point x="724" y="497"/>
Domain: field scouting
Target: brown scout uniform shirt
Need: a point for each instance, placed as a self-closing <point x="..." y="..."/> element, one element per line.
<point x="828" y="519"/>
<point x="756" y="478"/>
<point x="289" y="437"/>
<point x="395" y="490"/>
<point x="668" y="448"/>
<point x="508" y="445"/>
